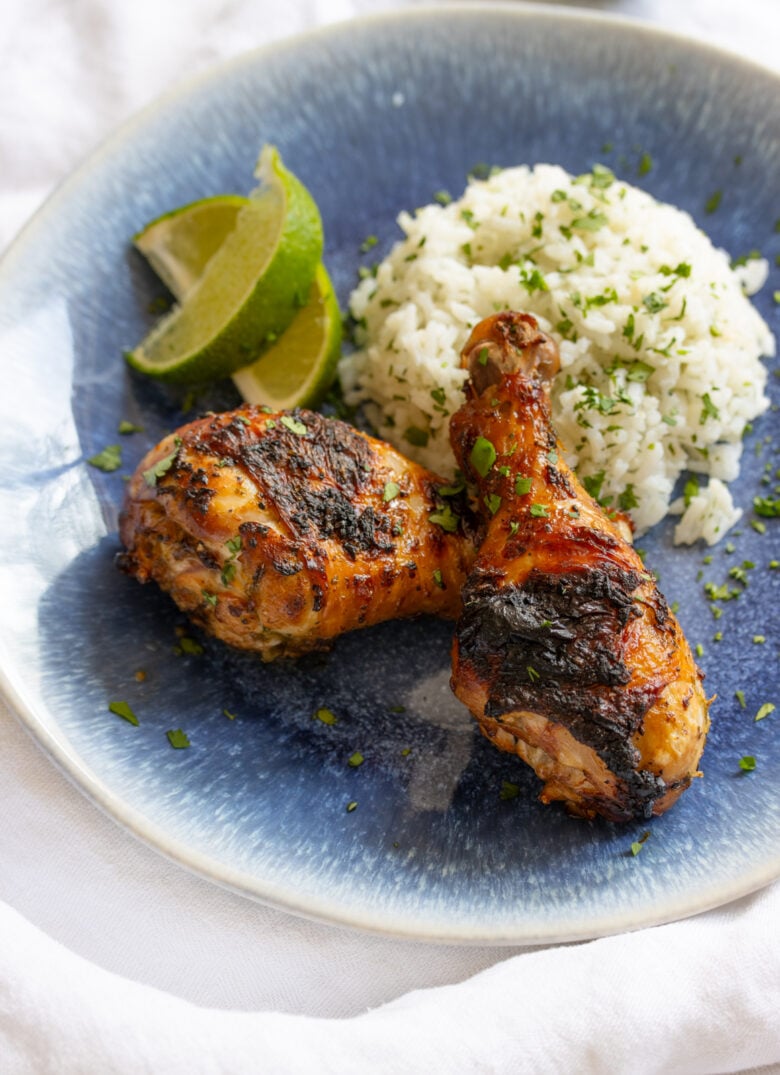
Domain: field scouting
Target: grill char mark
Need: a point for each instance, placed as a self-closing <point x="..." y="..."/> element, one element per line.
<point x="314" y="481"/>
<point x="555" y="646"/>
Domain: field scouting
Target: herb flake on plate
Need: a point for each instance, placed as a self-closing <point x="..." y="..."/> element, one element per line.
<point x="109" y="460"/>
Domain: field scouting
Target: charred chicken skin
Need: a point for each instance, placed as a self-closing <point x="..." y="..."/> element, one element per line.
<point x="566" y="652"/>
<point x="278" y="532"/>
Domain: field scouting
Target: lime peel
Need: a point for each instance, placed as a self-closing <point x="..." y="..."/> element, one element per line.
<point x="300" y="367"/>
<point x="248" y="293"/>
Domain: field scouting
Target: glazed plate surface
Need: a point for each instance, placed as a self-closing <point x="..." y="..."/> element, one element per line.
<point x="375" y="117"/>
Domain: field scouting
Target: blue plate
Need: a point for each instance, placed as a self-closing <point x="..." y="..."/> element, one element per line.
<point x="375" y="117"/>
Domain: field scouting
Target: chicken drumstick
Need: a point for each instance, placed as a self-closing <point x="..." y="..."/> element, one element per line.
<point x="566" y="652"/>
<point x="277" y="532"/>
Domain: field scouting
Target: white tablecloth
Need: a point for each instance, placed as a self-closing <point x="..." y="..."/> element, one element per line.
<point x="703" y="995"/>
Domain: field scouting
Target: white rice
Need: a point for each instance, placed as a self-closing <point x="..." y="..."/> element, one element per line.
<point x="660" y="348"/>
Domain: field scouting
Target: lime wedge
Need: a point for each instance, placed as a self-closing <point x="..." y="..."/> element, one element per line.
<point x="298" y="370"/>
<point x="250" y="288"/>
<point x="180" y="244"/>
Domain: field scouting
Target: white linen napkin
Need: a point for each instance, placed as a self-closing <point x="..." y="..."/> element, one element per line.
<point x="696" y="996"/>
<point x="701" y="996"/>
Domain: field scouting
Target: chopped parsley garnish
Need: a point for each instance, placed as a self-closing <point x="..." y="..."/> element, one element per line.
<point x="713" y="201"/>
<point x="628" y="499"/>
<point x="351" y="806"/>
<point x="740" y="696"/>
<point x="765" y="710"/>
<point x="766" y="506"/>
<point x="294" y="425"/>
<point x="592" y="399"/>
<point x="190" y="646"/>
<point x="451" y="490"/>
<point x="356" y="759"/>
<point x="594" y="482"/>
<point x="416" y="436"/>
<point x="540" y="511"/>
<point x="445" y="518"/>
<point x="123" y="710"/>
<point x="639" y="371"/>
<point x="708" y="410"/>
<point x="126" y="427"/>
<point x="637" y="845"/>
<point x="690" y="490"/>
<point x="645" y="164"/>
<point x="533" y="281"/>
<point x="523" y="485"/>
<point x="747" y="764"/>
<point x="482" y="170"/>
<point x="492" y="502"/>
<point x="390" y="491"/>
<point x="533" y="675"/>
<point x="162" y="466"/>
<point x="227" y="574"/>
<point x="683" y="269"/>
<point x="601" y="177"/>
<point x="438" y="580"/>
<point x="108" y="460"/>
<point x="483" y="456"/>
<point x="368" y="243"/>
<point x="209" y="598"/>
<point x="680" y="316"/>
<point x="438" y="395"/>
<point x="178" y="739"/>
<point x="325" y="716"/>
<point x="592" y="222"/>
<point x="654" y="302"/>
<point x="482" y="357"/>
<point x="743" y="259"/>
<point x="228" y="714"/>
<point x="508" y="791"/>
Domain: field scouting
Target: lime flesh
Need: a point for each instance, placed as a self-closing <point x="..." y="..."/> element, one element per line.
<point x="180" y="244"/>
<point x="249" y="290"/>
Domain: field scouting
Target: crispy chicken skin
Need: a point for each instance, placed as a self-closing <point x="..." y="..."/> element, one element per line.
<point x="278" y="532"/>
<point x="566" y="652"/>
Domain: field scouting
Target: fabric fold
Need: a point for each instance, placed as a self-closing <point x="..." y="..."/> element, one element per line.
<point x="698" y="997"/>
